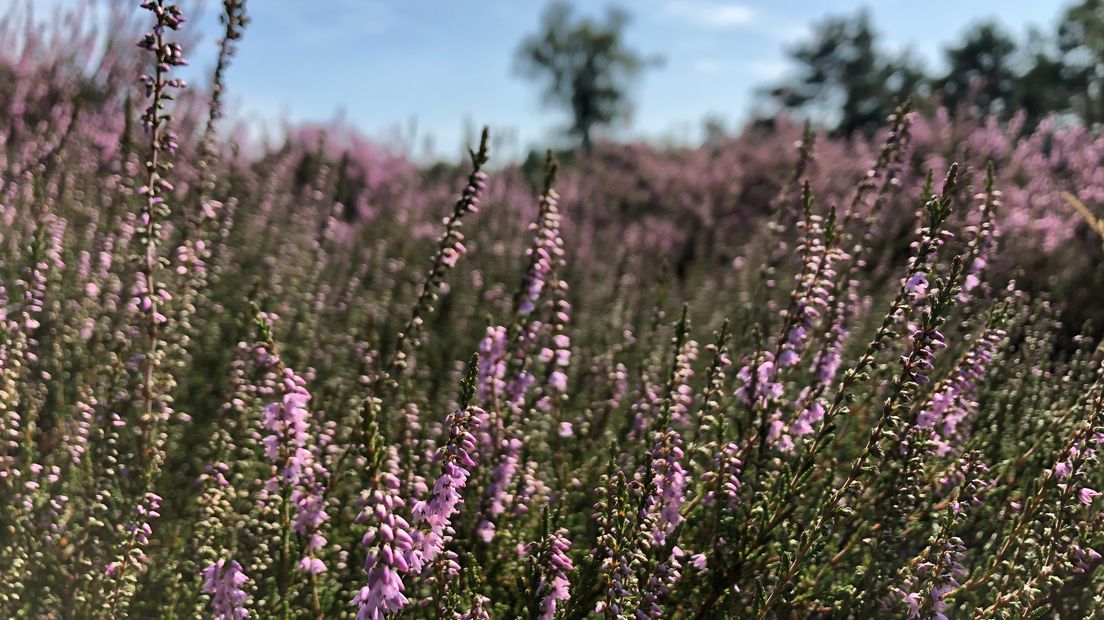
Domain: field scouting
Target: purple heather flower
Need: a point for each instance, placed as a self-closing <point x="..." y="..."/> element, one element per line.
<point x="670" y="482"/>
<point x="289" y="423"/>
<point x="917" y="283"/>
<point x="558" y="381"/>
<point x="682" y="394"/>
<point x="389" y="541"/>
<point x="433" y="516"/>
<point x="699" y="561"/>
<point x="450" y="255"/>
<point x="139" y="530"/>
<point x="518" y="387"/>
<point x="827" y="360"/>
<point x="556" y="566"/>
<point x="723" y="479"/>
<point x="912" y="602"/>
<point x="545" y="252"/>
<point x="1084" y="559"/>
<point x="492" y="364"/>
<point x="311" y="565"/>
<point x="666" y="573"/>
<point x="223" y="580"/>
<point x="287" y="444"/>
<point x="952" y="403"/>
<point x="938" y="576"/>
<point x="1063" y="469"/>
<point x="810" y="415"/>
<point x="813" y="292"/>
<point x="501" y="477"/>
<point x="76" y="440"/>
<point x="761" y="385"/>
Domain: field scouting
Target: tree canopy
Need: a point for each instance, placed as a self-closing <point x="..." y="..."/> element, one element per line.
<point x="844" y="78"/>
<point x="585" y="66"/>
<point x="842" y="73"/>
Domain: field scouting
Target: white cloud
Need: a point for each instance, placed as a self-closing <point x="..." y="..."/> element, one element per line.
<point x="768" y="69"/>
<point x="760" y="69"/>
<point x="712" y="14"/>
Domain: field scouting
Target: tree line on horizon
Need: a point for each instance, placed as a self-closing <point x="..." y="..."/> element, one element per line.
<point x="844" y="77"/>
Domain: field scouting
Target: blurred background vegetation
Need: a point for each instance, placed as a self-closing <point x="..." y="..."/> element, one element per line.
<point x="842" y="76"/>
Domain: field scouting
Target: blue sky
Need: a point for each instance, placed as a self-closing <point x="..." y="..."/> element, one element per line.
<point x="444" y="65"/>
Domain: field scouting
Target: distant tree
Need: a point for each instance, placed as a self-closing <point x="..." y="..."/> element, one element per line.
<point x="844" y="77"/>
<point x="981" y="70"/>
<point x="1046" y="84"/>
<point x="1081" y="42"/>
<point x="714" y="130"/>
<point x="585" y="65"/>
<point x="842" y="72"/>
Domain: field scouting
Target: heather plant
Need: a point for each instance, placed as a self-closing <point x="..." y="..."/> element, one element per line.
<point x="782" y="375"/>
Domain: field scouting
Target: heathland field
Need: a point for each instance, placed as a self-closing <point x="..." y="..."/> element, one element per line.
<point x="786" y="373"/>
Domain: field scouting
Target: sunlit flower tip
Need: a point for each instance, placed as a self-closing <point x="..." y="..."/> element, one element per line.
<point x="312" y="565"/>
<point x="1062" y="469"/>
<point x="917" y="283"/>
<point x="1086" y="495"/>
<point x="558" y="381"/>
<point x="449" y="257"/>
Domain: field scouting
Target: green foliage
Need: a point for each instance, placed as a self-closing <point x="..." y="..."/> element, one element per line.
<point x="981" y="70"/>
<point x="844" y="74"/>
<point x="844" y="77"/>
<point x="1081" y="43"/>
<point x="586" y="66"/>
